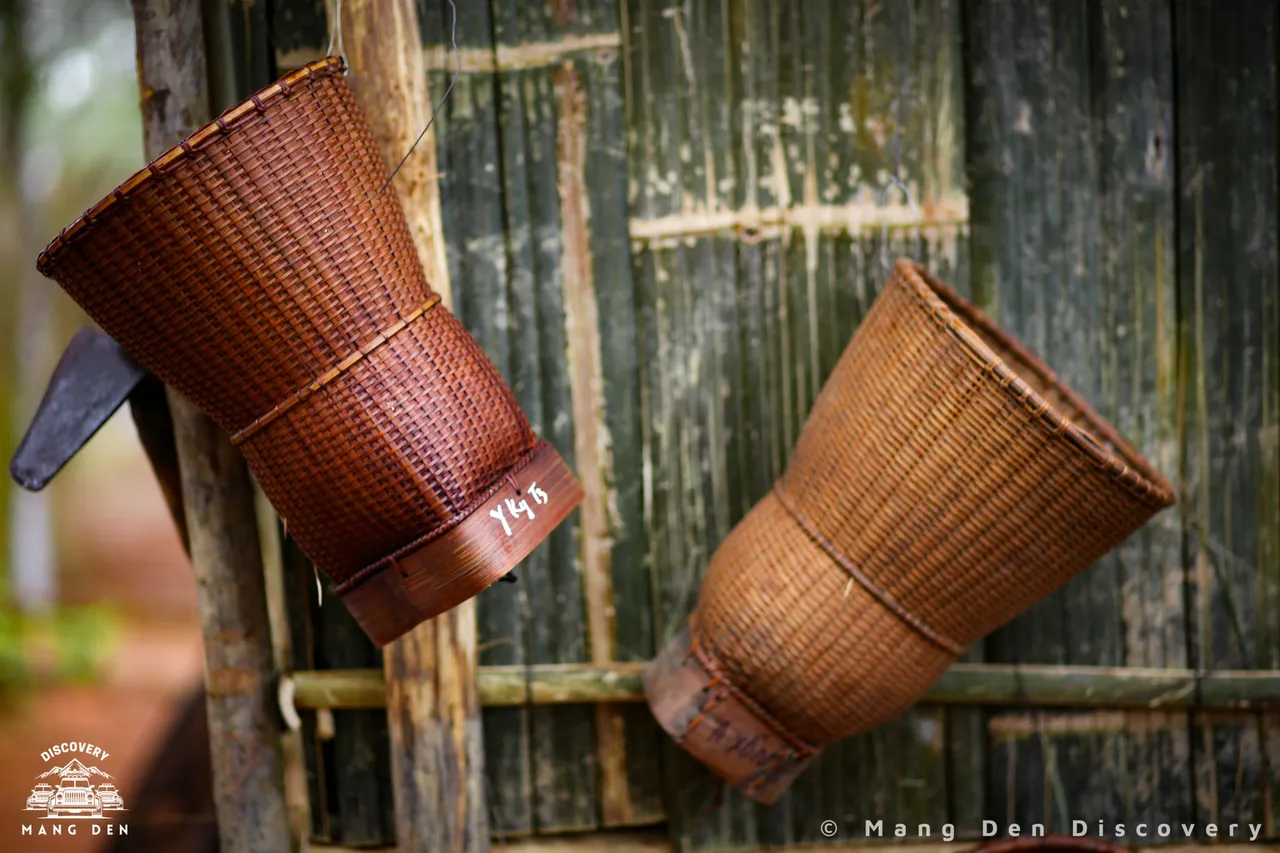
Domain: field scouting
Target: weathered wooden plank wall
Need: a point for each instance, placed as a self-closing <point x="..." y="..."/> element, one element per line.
<point x="1095" y="131"/>
<point x="664" y="220"/>
<point x="1070" y="145"/>
<point x="1229" y="382"/>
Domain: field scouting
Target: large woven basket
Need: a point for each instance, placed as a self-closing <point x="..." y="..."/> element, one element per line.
<point x="264" y="268"/>
<point x="944" y="482"/>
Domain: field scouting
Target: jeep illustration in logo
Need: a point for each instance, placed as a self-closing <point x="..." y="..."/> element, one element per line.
<point x="76" y="795"/>
<point x="111" y="799"/>
<point x="39" y="799"/>
<point x="73" y="792"/>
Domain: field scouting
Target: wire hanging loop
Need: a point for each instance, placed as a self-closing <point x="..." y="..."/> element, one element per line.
<point x="457" y="55"/>
<point x="335" y="37"/>
<point x="882" y="201"/>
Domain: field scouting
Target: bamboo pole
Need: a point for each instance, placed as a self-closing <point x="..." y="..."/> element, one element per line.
<point x="218" y="499"/>
<point x="972" y="684"/>
<point x="433" y="711"/>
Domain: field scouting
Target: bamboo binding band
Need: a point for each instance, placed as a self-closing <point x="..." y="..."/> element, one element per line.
<point x="260" y="423"/>
<point x="869" y="585"/>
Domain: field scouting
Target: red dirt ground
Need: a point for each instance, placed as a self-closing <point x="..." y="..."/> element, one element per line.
<point x="120" y="550"/>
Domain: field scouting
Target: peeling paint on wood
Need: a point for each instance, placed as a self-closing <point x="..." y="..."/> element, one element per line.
<point x="808" y="217"/>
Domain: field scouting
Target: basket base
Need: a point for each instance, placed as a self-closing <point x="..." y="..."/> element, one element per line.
<point x="717" y="728"/>
<point x="473" y="555"/>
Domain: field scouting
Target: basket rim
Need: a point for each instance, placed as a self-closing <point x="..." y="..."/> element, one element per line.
<point x="229" y="120"/>
<point x="961" y="318"/>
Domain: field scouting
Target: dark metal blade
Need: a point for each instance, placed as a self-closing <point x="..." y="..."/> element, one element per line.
<point x="92" y="379"/>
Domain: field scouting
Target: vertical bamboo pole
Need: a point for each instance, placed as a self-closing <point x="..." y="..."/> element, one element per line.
<point x="239" y="673"/>
<point x="586" y="377"/>
<point x="433" y="710"/>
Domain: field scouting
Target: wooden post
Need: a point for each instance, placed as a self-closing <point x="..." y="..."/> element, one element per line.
<point x="433" y="710"/>
<point x="218" y="496"/>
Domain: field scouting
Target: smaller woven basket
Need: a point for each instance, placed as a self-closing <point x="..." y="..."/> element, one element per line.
<point x="264" y="268"/>
<point x="945" y="481"/>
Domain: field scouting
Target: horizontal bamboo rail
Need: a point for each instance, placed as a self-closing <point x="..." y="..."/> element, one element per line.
<point x="975" y="684"/>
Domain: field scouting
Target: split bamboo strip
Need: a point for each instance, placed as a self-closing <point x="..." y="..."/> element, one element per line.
<point x="975" y="684"/>
<point x="586" y="379"/>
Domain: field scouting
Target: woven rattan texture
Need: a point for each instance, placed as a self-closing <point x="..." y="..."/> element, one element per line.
<point x="254" y="260"/>
<point x="960" y="494"/>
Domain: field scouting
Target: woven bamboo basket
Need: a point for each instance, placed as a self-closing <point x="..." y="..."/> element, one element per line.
<point x="945" y="481"/>
<point x="264" y="268"/>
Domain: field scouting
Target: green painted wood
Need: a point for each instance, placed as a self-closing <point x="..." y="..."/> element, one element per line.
<point x="298" y="27"/>
<point x="348" y="763"/>
<point x="1070" y="111"/>
<point x="359" y="758"/>
<point x="503" y="610"/>
<point x="1230" y="342"/>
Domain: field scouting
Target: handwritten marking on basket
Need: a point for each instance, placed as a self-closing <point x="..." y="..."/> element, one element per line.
<point x="775" y="729"/>
<point x="453" y="41"/>
<point x="334" y="372"/>
<point x="539" y="496"/>
<point x="755" y="748"/>
<point x="845" y="563"/>
<point x="772" y="752"/>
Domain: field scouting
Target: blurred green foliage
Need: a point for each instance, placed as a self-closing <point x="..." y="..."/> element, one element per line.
<point x="70" y="130"/>
<point x="67" y="644"/>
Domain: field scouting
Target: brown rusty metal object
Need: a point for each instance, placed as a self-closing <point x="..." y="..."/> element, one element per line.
<point x="945" y="481"/>
<point x="263" y="269"/>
